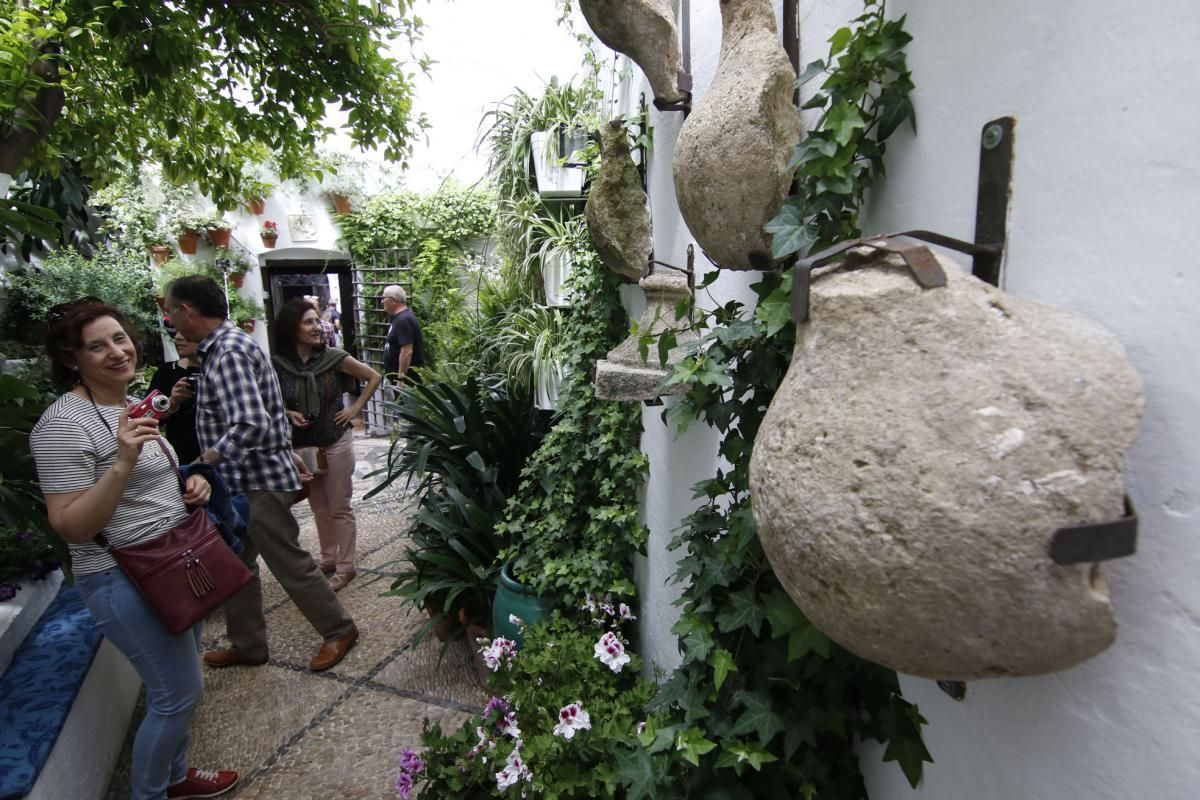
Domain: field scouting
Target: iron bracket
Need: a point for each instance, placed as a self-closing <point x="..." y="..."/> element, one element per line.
<point x="684" y="78"/>
<point x="1097" y="541"/>
<point x="993" y="197"/>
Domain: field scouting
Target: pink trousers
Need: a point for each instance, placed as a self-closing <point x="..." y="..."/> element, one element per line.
<point x="329" y="498"/>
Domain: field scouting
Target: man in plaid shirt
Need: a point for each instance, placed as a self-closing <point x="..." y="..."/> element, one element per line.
<point x="244" y="432"/>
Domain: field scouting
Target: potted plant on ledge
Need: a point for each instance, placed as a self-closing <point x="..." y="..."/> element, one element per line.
<point x="244" y="312"/>
<point x="187" y="226"/>
<point x="269" y="233"/>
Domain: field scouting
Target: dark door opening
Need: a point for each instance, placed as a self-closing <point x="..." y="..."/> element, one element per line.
<point x="285" y="280"/>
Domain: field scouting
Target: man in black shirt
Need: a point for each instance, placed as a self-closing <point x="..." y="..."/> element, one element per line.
<point x="404" y="347"/>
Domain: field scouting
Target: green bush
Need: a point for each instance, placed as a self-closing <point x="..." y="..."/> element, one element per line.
<point x="120" y="278"/>
<point x="465" y="449"/>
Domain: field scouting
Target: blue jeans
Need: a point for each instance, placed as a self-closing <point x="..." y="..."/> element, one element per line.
<point x="169" y="666"/>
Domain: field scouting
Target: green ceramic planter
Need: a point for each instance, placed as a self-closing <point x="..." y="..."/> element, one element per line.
<point x="518" y="600"/>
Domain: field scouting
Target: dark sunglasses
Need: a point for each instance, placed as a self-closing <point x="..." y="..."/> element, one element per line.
<point x="61" y="310"/>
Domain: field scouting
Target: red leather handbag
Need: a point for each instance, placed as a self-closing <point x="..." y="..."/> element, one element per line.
<point x="186" y="573"/>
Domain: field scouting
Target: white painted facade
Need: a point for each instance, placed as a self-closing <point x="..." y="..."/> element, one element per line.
<point x="1105" y="184"/>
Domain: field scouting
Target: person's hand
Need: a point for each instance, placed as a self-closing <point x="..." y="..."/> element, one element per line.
<point x="345" y="416"/>
<point x="305" y="473"/>
<point x="181" y="392"/>
<point x="132" y="434"/>
<point x="196" y="491"/>
<point x="297" y="419"/>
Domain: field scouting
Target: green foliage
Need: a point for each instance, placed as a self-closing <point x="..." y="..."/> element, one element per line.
<point x="465" y="448"/>
<point x="574" y="521"/>
<point x="520" y="210"/>
<point x="865" y="98"/>
<point x="528" y="343"/>
<point x="241" y="308"/>
<point x="555" y="667"/>
<point x="438" y="294"/>
<point x="198" y="86"/>
<point x="119" y="278"/>
<point x="58" y="200"/>
<point x="24" y="553"/>
<point x="25" y="392"/>
<point x="784" y="706"/>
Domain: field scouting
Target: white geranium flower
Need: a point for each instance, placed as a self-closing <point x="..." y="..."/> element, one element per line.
<point x="514" y="770"/>
<point x="611" y="652"/>
<point x="572" y="718"/>
<point x="500" y="652"/>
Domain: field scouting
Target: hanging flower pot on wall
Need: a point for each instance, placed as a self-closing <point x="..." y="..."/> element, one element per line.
<point x="188" y="241"/>
<point x="220" y="236"/>
<point x="556" y="268"/>
<point x="238" y="278"/>
<point x="269" y="233"/>
<point x="160" y="253"/>
<point x="546" y="380"/>
<point x="341" y="203"/>
<point x="257" y="206"/>
<point x="553" y="181"/>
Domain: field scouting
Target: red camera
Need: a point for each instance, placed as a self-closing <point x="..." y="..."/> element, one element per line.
<point x="154" y="405"/>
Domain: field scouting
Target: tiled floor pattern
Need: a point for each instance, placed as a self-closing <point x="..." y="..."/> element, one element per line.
<point x="299" y="735"/>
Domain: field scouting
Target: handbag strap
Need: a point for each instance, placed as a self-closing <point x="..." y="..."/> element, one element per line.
<point x="99" y="537"/>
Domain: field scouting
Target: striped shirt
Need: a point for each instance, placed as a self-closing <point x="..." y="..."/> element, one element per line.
<point x="73" y="448"/>
<point x="239" y="413"/>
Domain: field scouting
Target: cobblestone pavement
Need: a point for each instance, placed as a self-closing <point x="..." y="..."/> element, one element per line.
<point x="299" y="735"/>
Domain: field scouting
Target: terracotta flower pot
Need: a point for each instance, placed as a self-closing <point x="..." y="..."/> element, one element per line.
<point x="187" y="242"/>
<point x="269" y="241"/>
<point x="237" y="278"/>
<point x="341" y="203"/>
<point x="160" y="253"/>
<point x="258" y="206"/>
<point x="219" y="236"/>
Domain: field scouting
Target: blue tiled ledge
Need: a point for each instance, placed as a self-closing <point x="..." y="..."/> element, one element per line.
<point x="39" y="686"/>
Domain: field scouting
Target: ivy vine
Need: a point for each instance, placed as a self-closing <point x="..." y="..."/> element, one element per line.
<point x="764" y="704"/>
<point x="575" y="517"/>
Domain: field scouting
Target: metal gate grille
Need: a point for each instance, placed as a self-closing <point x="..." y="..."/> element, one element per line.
<point x="386" y="267"/>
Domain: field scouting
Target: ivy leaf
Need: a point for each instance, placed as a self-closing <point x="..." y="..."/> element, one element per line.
<point x="722" y="663"/>
<point x="789" y="233"/>
<point x="776" y="311"/>
<point x="737" y="755"/>
<point x="743" y="611"/>
<point x="811" y="71"/>
<point x="839" y="40"/>
<point x="782" y="614"/>
<point x="692" y="744"/>
<point x="901" y="725"/>
<point x="807" y="640"/>
<point x="636" y="771"/>
<point x="759" y="717"/>
<point x="843" y="120"/>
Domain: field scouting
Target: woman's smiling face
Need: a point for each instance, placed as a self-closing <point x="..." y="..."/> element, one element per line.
<point x="311" y="332"/>
<point x="108" y="356"/>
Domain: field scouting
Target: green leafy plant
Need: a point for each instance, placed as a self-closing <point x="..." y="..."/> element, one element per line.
<point x="174" y="268"/>
<point x="25" y="391"/>
<point x="574" y="521"/>
<point x="465" y="449"/>
<point x="189" y="219"/>
<point x="864" y="99"/>
<point x="121" y="278"/>
<point x="242" y="309"/>
<point x="564" y="723"/>
<point x="23" y="554"/>
<point x="529" y="343"/>
<point x="783" y="706"/>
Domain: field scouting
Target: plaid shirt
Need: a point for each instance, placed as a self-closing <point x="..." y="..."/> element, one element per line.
<point x="240" y="414"/>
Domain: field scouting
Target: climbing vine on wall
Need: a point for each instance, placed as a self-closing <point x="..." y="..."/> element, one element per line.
<point x="575" y="517"/>
<point x="764" y="704"/>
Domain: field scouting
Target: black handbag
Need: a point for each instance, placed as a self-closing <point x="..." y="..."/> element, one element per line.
<point x="185" y="574"/>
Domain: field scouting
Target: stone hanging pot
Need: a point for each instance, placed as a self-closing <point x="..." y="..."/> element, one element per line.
<point x="618" y="212"/>
<point x="645" y="31"/>
<point x="921" y="452"/>
<point x="730" y="168"/>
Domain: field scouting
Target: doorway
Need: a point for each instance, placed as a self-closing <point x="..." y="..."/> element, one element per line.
<point x="328" y="281"/>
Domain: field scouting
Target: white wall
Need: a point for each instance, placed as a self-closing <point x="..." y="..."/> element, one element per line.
<point x="1105" y="191"/>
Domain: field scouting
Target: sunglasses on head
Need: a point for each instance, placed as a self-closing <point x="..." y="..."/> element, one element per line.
<point x="59" y="311"/>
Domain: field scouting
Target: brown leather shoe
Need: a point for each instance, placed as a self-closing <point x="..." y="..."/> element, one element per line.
<point x="231" y="658"/>
<point x="333" y="651"/>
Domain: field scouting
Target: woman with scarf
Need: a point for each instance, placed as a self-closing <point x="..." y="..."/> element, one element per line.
<point x="313" y="378"/>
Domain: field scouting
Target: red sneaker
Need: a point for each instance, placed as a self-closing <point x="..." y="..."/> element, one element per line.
<point x="203" y="783"/>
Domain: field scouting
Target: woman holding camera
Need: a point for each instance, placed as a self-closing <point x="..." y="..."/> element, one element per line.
<point x="101" y="471"/>
<point x="176" y="380"/>
<point x="312" y="378"/>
